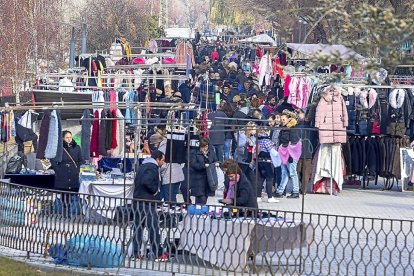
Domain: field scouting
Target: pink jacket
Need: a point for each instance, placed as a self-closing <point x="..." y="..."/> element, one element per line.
<point x="331" y="117"/>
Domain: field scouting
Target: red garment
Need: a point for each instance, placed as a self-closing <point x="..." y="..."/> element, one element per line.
<point x="203" y="125"/>
<point x="215" y="55"/>
<point x="277" y="68"/>
<point x="94" y="150"/>
<point x="323" y="186"/>
<point x="259" y="52"/>
<point x="114" y="143"/>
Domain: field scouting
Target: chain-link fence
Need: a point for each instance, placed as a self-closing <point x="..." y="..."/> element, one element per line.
<point x="95" y="231"/>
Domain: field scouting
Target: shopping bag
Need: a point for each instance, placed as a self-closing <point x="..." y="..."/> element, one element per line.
<point x="220" y="178"/>
<point x="275" y="156"/>
<point x="212" y="177"/>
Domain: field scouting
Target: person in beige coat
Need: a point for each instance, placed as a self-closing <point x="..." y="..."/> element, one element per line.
<point x="331" y="117"/>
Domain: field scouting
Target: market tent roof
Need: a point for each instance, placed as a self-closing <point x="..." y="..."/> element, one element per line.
<point x="261" y="38"/>
<point x="306" y="51"/>
<point x="179" y="33"/>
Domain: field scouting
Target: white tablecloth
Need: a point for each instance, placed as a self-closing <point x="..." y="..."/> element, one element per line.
<point x="228" y="243"/>
<point x="103" y="196"/>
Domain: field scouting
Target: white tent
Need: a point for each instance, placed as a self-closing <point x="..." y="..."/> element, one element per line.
<point x="307" y="51"/>
<point x="262" y="38"/>
<point x="179" y="32"/>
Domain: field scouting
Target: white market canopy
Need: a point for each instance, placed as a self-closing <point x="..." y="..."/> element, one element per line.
<point x="179" y="33"/>
<point x="262" y="38"/>
<point x="307" y="51"/>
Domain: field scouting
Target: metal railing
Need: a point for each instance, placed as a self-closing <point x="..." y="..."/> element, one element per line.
<point x="95" y="231"/>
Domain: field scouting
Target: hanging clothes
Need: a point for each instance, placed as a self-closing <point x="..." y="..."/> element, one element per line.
<point x="86" y="134"/>
<point x="120" y="135"/>
<point x="265" y="70"/>
<point x="175" y="148"/>
<point x="114" y="142"/>
<point x="329" y="164"/>
<point x="102" y="134"/>
<point x="331" y="117"/>
<point x="59" y="152"/>
<point x="52" y="139"/>
<point x="43" y="135"/>
<point x="108" y="132"/>
<point x="12" y="124"/>
<point x="182" y="50"/>
<point x="94" y="148"/>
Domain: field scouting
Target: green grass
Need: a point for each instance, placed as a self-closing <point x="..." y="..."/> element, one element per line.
<point x="9" y="267"/>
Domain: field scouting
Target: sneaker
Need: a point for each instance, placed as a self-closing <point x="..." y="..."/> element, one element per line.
<point x="259" y="199"/>
<point x="278" y="195"/>
<point x="139" y="258"/>
<point x="163" y="258"/>
<point x="293" y="195"/>
<point x="273" y="200"/>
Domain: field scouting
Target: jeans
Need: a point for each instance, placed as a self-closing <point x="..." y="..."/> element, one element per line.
<point x="227" y="149"/>
<point x="278" y="176"/>
<point x="219" y="149"/>
<point x="265" y="173"/>
<point x="145" y="215"/>
<point x="165" y="192"/>
<point x="289" y="171"/>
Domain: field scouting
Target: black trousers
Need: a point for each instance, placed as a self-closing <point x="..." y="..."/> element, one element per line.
<point x="265" y="173"/>
<point x="145" y="215"/>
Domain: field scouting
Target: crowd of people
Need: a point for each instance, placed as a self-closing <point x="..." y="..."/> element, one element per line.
<point x="243" y="115"/>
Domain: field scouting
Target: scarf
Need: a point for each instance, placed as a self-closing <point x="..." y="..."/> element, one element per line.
<point x="232" y="185"/>
<point x="396" y="98"/>
<point x="292" y="150"/>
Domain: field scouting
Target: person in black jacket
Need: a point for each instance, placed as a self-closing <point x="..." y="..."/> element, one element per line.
<point x="147" y="188"/>
<point x="200" y="159"/>
<point x="67" y="171"/>
<point x="67" y="174"/>
<point x="240" y="192"/>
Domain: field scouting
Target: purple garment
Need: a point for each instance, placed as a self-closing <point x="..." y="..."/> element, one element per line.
<point x="232" y="185"/>
<point x="292" y="150"/>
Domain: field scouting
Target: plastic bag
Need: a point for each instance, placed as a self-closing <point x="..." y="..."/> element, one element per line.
<point x="93" y="251"/>
<point x="15" y="165"/>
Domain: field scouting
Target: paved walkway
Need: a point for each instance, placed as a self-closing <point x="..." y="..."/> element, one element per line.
<point x="371" y="202"/>
<point x="368" y="240"/>
<point x="354" y="202"/>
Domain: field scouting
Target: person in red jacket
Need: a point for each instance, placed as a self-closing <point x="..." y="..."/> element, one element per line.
<point x="215" y="55"/>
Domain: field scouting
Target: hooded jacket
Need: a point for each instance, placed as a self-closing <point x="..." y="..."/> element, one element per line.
<point x="147" y="180"/>
<point x="331" y="117"/>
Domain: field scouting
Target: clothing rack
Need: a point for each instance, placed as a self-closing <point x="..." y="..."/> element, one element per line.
<point x="149" y="66"/>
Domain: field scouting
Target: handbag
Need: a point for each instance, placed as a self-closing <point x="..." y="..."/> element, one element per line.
<point x="212" y="177"/>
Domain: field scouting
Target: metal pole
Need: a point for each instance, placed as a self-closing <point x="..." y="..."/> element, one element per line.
<point x="72" y="49"/>
<point x="208" y="83"/>
<point x="84" y="36"/>
<point x="188" y="162"/>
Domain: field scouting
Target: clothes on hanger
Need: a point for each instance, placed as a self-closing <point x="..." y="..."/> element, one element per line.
<point x="86" y="134"/>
